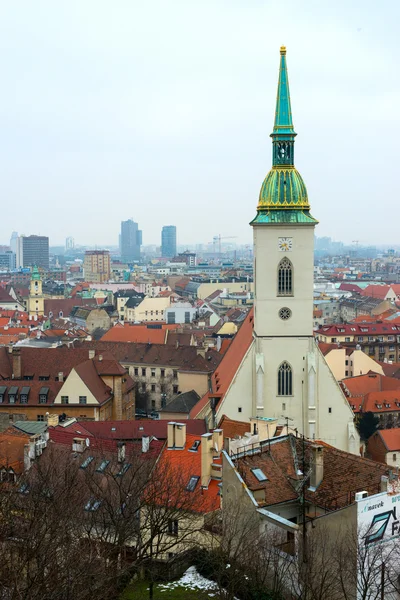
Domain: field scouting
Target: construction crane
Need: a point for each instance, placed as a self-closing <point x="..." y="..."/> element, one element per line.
<point x="218" y="238"/>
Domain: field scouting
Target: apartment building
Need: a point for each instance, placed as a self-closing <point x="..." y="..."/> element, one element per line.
<point x="380" y="341"/>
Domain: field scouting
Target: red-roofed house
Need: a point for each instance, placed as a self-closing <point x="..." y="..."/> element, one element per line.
<point x="383" y="292"/>
<point x="192" y="467"/>
<point x="384" y="446"/>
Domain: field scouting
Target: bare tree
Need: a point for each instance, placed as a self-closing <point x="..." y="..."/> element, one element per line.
<point x="78" y="526"/>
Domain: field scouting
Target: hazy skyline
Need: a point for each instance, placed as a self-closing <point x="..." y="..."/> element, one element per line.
<point x="161" y="112"/>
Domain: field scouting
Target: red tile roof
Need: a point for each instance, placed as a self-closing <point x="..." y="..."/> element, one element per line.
<point x="391" y="438"/>
<point x="12" y="448"/>
<point x="188" y="464"/>
<point x="350" y="287"/>
<point x="66" y="435"/>
<point x="354" y="329"/>
<point x="34" y="391"/>
<point x="87" y="372"/>
<point x="371" y="382"/>
<point x="231" y="360"/>
<point x="380" y="402"/>
<point x="344" y="474"/>
<point x="134" y="430"/>
<point x="326" y="348"/>
<point x="233" y="429"/>
<point x="135" y="333"/>
<point x="376" y="291"/>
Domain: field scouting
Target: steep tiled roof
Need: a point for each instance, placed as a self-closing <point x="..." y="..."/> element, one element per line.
<point x="355" y="329"/>
<point x="376" y="291"/>
<point x="226" y="371"/>
<point x="135" y="333"/>
<point x="178" y="339"/>
<point x="65" y="436"/>
<point x="380" y="402"/>
<point x="326" y="348"/>
<point x="233" y="429"/>
<point x="184" y="357"/>
<point x="135" y="430"/>
<point x="87" y="372"/>
<point x="183" y="403"/>
<point x="12" y="448"/>
<point x="188" y="464"/>
<point x="344" y="474"/>
<point x="371" y="382"/>
<point x="391" y="438"/>
<point x="64" y="305"/>
<point x="390" y="370"/>
<point x="34" y="388"/>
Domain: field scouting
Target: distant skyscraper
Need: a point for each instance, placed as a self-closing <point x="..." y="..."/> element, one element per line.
<point x="33" y="250"/>
<point x="69" y="243"/>
<point x="131" y="240"/>
<point x="97" y="266"/>
<point x="168" y="241"/>
<point x="13" y="242"/>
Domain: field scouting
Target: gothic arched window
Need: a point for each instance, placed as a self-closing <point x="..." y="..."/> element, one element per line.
<point x="285" y="380"/>
<point x="285" y="278"/>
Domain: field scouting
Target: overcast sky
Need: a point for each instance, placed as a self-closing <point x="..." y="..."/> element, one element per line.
<point x="161" y="111"/>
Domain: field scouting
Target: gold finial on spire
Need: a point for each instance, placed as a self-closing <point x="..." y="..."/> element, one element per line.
<point x="283" y="49"/>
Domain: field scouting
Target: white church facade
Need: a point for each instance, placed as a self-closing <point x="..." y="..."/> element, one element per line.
<point x="282" y="374"/>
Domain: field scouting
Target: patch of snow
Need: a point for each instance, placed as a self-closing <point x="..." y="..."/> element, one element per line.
<point x="190" y="579"/>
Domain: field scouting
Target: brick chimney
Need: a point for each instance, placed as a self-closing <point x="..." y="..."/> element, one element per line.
<point x="16" y="363"/>
<point x="217" y="441"/>
<point x="317" y="466"/>
<point x="52" y="420"/>
<point x="206" y="458"/>
<point x="171" y="435"/>
<point x="176" y="435"/>
<point x="180" y="435"/>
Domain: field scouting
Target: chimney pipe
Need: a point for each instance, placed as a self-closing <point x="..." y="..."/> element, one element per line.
<point x="317" y="467"/>
<point x="145" y="443"/>
<point x="16" y="363"/>
<point x="121" y="452"/>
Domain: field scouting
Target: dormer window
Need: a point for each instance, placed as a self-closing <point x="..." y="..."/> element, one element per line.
<point x="3" y="390"/>
<point x="258" y="474"/>
<point x="195" y="446"/>
<point x="192" y="483"/>
<point x="12" y="394"/>
<point x="379" y="406"/>
<point x="43" y="395"/>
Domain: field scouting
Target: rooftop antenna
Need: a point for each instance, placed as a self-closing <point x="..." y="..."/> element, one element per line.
<point x="287" y="419"/>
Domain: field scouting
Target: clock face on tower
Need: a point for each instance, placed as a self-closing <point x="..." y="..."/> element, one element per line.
<point x="285" y="244"/>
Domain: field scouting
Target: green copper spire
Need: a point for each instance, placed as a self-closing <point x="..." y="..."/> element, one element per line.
<point x="35" y="273"/>
<point x="283" y="114"/>
<point x="283" y="196"/>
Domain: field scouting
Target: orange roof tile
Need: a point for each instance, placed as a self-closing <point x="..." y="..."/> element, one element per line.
<point x="226" y="370"/>
<point x="232" y="428"/>
<point x="134" y="333"/>
<point x="391" y="438"/>
<point x="376" y="291"/>
<point x="380" y="402"/>
<point x="12" y="445"/>
<point x="371" y="382"/>
<point x="188" y="464"/>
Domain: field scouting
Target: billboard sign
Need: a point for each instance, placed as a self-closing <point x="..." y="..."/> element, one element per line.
<point x="378" y="518"/>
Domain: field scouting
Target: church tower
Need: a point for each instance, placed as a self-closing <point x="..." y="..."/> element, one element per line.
<point x="36" y="298"/>
<point x="291" y="378"/>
